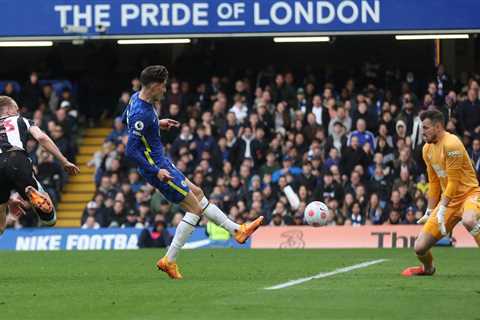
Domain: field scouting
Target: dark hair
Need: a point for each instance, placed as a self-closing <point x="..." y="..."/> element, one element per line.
<point x="152" y="74"/>
<point x="433" y="115"/>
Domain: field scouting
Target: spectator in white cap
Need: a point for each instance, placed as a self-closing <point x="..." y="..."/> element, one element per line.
<point x="90" y="211"/>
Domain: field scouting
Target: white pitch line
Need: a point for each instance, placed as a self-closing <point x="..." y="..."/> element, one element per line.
<point x="326" y="274"/>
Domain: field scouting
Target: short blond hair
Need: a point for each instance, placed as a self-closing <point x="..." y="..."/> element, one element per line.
<point x="6" y="103"/>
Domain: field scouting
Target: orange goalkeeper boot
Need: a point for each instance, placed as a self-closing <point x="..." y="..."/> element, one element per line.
<point x="417" y="271"/>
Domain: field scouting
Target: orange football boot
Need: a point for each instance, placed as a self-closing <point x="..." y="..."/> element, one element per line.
<point x="170" y="268"/>
<point x="246" y="230"/>
<point x="417" y="271"/>
<point x="39" y="200"/>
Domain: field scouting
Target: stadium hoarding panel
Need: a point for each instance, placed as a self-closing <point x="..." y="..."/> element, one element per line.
<point x="140" y="18"/>
<point x="348" y="237"/>
<point x="54" y="239"/>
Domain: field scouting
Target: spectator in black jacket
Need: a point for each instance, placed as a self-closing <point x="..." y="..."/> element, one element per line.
<point x="321" y="113"/>
<point x="283" y="92"/>
<point x="469" y="113"/>
<point x="65" y="145"/>
<point x="329" y="189"/>
<point x="156" y="237"/>
<point x="185" y="139"/>
<point x="93" y="210"/>
<point x="352" y="156"/>
<point x="31" y="93"/>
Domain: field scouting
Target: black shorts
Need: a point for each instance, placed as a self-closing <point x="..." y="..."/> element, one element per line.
<point x="16" y="173"/>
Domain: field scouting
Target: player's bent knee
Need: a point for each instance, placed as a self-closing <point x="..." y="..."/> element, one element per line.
<point x="191" y="204"/>
<point x="469" y="221"/>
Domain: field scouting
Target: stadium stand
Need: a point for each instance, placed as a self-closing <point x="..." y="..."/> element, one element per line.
<point x="356" y="148"/>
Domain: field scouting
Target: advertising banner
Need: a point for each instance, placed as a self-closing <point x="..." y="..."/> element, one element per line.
<point x="348" y="237"/>
<point x="101" y="18"/>
<point x="44" y="239"/>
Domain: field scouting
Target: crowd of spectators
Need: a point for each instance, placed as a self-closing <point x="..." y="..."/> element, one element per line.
<point x="355" y="147"/>
<point x="55" y="112"/>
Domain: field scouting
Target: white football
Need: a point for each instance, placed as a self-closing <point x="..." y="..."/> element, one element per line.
<point x="316" y="213"/>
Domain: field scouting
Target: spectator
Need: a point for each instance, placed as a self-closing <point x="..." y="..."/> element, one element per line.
<point x="31" y="92"/>
<point x="410" y="216"/>
<point x="337" y="138"/>
<point x="329" y="189"/>
<point x="322" y="116"/>
<point x="49" y="97"/>
<point x="362" y="134"/>
<point x="117" y="215"/>
<point x="133" y="220"/>
<point x="283" y="92"/>
<point x="469" y="113"/>
<point x="394" y="217"/>
<point x="9" y="90"/>
<point x="63" y="143"/>
<point x="92" y="211"/>
<point x="157" y="236"/>
<point x="357" y="217"/>
<point x="119" y="131"/>
<point x="341" y="117"/>
<point x="287" y="168"/>
<point x="353" y="155"/>
<point x="185" y="139"/>
<point x="279" y="215"/>
<point x="90" y="223"/>
<point x="239" y="108"/>
<point x="374" y="210"/>
<point x="67" y="98"/>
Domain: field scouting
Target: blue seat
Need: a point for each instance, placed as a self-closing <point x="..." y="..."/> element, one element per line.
<point x="57" y="85"/>
<point x="16" y="85"/>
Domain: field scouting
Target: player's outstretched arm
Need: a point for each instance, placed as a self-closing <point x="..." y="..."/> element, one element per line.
<point x="51" y="147"/>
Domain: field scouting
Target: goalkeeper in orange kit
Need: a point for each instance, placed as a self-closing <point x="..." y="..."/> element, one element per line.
<point x="454" y="193"/>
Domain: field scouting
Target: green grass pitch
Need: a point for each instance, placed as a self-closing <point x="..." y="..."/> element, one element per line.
<point x="228" y="284"/>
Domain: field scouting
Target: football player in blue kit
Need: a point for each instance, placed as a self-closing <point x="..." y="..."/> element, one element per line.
<point x="146" y="150"/>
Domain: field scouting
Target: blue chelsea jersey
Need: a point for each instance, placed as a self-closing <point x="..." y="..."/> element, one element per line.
<point x="144" y="145"/>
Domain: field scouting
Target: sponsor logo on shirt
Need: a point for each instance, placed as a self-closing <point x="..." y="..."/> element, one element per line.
<point x="454" y="154"/>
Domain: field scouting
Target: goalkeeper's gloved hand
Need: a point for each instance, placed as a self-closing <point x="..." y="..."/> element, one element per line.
<point x="441" y="220"/>
<point x="425" y="217"/>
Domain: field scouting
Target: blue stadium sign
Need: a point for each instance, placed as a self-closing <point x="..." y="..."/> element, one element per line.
<point x="73" y="239"/>
<point x="120" y="18"/>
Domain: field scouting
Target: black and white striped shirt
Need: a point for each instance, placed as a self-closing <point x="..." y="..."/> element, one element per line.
<point x="14" y="132"/>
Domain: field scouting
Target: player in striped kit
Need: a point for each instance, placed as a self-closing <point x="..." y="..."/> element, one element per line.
<point x="16" y="169"/>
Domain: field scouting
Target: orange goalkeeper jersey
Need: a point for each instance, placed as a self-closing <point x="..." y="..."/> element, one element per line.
<point x="448" y="162"/>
